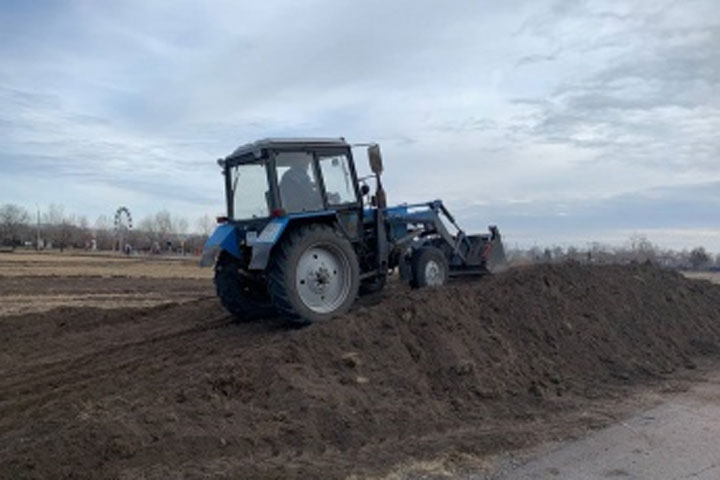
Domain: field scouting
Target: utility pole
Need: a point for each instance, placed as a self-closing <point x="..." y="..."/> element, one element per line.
<point x="37" y="230"/>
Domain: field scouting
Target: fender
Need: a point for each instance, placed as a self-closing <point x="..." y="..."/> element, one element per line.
<point x="263" y="244"/>
<point x="223" y="238"/>
<point x="226" y="238"/>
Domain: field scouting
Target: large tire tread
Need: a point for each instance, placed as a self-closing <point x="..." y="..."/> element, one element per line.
<point x="234" y="296"/>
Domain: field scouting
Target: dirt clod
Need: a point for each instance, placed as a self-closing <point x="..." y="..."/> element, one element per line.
<point x="352" y="359"/>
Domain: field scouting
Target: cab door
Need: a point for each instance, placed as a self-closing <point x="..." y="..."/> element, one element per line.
<point x="340" y="190"/>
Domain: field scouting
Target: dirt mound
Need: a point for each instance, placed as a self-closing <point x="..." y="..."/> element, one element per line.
<point x="179" y="391"/>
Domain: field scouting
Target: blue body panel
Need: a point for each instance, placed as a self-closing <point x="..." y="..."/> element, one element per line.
<point x="397" y="229"/>
<point x="224" y="237"/>
<point x="263" y="244"/>
<point x="228" y="237"/>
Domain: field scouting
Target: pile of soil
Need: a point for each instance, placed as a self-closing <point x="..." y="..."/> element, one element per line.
<point x="179" y="391"/>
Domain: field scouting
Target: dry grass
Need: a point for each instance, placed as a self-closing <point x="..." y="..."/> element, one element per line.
<point x="32" y="282"/>
<point x="76" y="265"/>
<point x="22" y="304"/>
<point x="713" y="277"/>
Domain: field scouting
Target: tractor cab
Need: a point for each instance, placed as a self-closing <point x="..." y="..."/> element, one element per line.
<point x="287" y="177"/>
<point x="275" y="184"/>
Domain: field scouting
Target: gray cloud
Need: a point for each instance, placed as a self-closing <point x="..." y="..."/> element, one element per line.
<point x="693" y="208"/>
<point x="653" y="101"/>
<point x="511" y="106"/>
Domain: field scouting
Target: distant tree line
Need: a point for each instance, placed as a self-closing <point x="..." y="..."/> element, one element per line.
<point x="638" y="249"/>
<point x="55" y="229"/>
<point x="165" y="233"/>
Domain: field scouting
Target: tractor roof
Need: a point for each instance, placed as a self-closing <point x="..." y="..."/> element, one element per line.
<point x="287" y="143"/>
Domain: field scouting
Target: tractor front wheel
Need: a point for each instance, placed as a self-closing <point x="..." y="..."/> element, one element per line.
<point x="429" y="268"/>
<point x="314" y="274"/>
<point x="238" y="294"/>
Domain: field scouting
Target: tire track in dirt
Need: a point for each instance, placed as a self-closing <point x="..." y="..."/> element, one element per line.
<point x="111" y="357"/>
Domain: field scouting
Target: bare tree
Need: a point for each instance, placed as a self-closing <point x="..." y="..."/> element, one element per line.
<point x="642" y="249"/>
<point x="12" y="220"/>
<point x="103" y="223"/>
<point x="163" y="224"/>
<point x="573" y="254"/>
<point x="148" y="233"/>
<point x="535" y="254"/>
<point x="84" y="235"/>
<point x="103" y="233"/>
<point x="181" y="226"/>
<point x="698" y="258"/>
<point x="62" y="226"/>
<point x="205" y="225"/>
<point x="65" y="232"/>
<point x="83" y="223"/>
<point x="54" y="214"/>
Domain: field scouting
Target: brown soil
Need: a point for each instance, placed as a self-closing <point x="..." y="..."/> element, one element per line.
<point x="179" y="391"/>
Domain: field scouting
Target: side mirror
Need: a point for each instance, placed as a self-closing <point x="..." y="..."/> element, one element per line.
<point x="376" y="164"/>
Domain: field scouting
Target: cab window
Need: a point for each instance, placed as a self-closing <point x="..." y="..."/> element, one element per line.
<point x="298" y="186"/>
<point x="338" y="180"/>
<point x="249" y="189"/>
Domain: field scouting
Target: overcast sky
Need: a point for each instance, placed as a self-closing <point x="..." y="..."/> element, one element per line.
<point x="560" y="121"/>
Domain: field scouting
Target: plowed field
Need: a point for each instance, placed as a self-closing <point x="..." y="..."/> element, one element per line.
<point x="147" y="377"/>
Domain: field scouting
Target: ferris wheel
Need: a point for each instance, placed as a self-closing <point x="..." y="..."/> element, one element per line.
<point x="123" y="225"/>
<point x="123" y="220"/>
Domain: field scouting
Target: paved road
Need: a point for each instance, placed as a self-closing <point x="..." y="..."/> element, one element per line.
<point x="679" y="439"/>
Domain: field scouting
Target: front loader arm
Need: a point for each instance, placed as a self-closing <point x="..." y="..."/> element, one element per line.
<point x="427" y="217"/>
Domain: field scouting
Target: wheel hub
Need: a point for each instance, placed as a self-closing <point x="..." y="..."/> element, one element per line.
<point x="433" y="274"/>
<point x="318" y="280"/>
<point x="323" y="278"/>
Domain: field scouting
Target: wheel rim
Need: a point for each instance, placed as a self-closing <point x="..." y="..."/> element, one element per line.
<point x="323" y="278"/>
<point x="434" y="274"/>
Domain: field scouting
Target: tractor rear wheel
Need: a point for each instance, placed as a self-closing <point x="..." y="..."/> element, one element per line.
<point x="429" y="268"/>
<point x="244" y="300"/>
<point x="314" y="274"/>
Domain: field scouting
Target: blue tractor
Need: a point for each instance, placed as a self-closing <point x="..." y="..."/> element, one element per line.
<point x="304" y="235"/>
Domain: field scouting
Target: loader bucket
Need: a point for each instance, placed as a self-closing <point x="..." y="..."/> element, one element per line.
<point x="486" y="253"/>
<point x="495" y="260"/>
